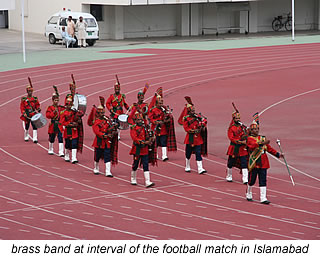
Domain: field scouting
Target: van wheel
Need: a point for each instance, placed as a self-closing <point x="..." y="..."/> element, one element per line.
<point x="91" y="42"/>
<point x="52" y="39"/>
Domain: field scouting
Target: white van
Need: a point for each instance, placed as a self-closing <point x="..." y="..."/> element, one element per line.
<point x="58" y="20"/>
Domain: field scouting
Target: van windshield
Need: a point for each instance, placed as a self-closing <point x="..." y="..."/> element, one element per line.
<point x="91" y="22"/>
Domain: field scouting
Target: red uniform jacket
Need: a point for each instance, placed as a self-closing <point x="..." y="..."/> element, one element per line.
<point x="263" y="162"/>
<point x="138" y="135"/>
<point x="28" y="106"/>
<point x="235" y="132"/>
<point x="156" y="114"/>
<point x="101" y="128"/>
<point x="143" y="108"/>
<point x="66" y="118"/>
<point x="190" y="125"/>
<point x="115" y="104"/>
<point x="53" y="113"/>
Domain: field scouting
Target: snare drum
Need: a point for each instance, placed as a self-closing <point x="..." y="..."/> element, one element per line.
<point x="39" y="120"/>
<point x="123" y="122"/>
<point x="79" y="103"/>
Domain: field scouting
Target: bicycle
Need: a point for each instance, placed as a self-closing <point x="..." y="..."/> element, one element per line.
<point x="278" y="22"/>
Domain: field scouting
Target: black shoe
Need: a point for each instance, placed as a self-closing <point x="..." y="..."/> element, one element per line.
<point x="265" y="202"/>
<point x="35" y="142"/>
<point x="204" y="171"/>
<point x="74" y="162"/>
<point x="165" y="159"/>
<point x="188" y="171"/>
<point x="109" y="176"/>
<point x="249" y="199"/>
<point x="245" y="183"/>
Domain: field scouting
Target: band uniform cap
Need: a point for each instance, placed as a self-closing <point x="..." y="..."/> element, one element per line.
<point x="235" y="113"/>
<point x="69" y="100"/>
<point x="254" y="125"/>
<point x="100" y="108"/>
<point x="71" y="85"/>
<point x="29" y="87"/>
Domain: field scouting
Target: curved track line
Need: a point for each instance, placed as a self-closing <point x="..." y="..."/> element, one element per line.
<point x="76" y="219"/>
<point x="37" y="228"/>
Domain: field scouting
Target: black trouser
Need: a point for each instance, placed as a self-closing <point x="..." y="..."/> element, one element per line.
<point x="262" y="173"/>
<point x="196" y="149"/>
<point x="145" y="162"/>
<point x="104" y="153"/>
<point x="27" y="123"/>
<point x="71" y="143"/>
<point x="161" y="140"/>
<point x="232" y="160"/>
<point x="52" y="137"/>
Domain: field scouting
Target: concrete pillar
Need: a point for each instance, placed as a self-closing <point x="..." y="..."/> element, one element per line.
<point x="118" y="23"/>
<point x="195" y="20"/>
<point x="317" y="15"/>
<point x="253" y="17"/>
<point x="183" y="20"/>
<point x="243" y="21"/>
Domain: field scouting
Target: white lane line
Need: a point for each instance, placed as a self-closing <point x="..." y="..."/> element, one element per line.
<point x="126" y="207"/>
<point x="106" y="216"/>
<point x="32" y="194"/>
<point x="14" y="191"/>
<point x="23" y="230"/>
<point x="162" y="201"/>
<point x="88" y="213"/>
<point x="296" y="232"/>
<point x="87" y="226"/>
<point x="48" y="220"/>
<point x="250" y="225"/>
<point x="232" y="235"/>
<point x="203" y="207"/>
<point x="28" y="217"/>
<point x="181" y="204"/>
<point x="276" y="229"/>
<point x="67" y="223"/>
<point x="4" y="228"/>
<point x="309" y="222"/>
<point x="68" y="188"/>
<point x="165" y="212"/>
<point x="145" y="209"/>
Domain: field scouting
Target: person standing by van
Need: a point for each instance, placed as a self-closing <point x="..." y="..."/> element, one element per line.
<point x="70" y="26"/>
<point x="81" y="27"/>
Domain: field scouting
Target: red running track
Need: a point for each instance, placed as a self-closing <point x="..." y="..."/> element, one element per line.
<point x="43" y="197"/>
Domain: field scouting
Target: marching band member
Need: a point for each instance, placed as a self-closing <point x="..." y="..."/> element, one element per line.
<point x="238" y="155"/>
<point x="53" y="113"/>
<point x="196" y="137"/>
<point x="105" y="143"/>
<point x="29" y="106"/>
<point x="162" y="124"/>
<point x="258" y="164"/>
<point x="94" y="113"/>
<point x="142" y="142"/>
<point x="70" y="120"/>
<point x="116" y="102"/>
<point x="140" y="106"/>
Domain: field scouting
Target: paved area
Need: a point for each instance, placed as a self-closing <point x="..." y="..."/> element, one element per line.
<point x="38" y="47"/>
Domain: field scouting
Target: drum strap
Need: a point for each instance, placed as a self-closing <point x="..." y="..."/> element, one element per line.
<point x="69" y="131"/>
<point x="138" y="149"/>
<point x="99" y="141"/>
<point x="55" y="125"/>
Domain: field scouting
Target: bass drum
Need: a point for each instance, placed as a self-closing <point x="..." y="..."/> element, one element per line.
<point x="123" y="122"/>
<point x="39" y="120"/>
<point x="79" y="103"/>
